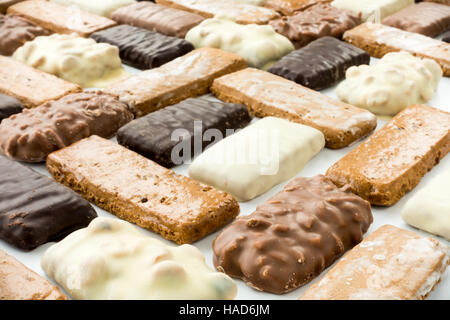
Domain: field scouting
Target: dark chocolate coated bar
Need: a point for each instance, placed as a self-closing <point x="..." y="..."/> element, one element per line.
<point x="35" y="209"/>
<point x="321" y="63"/>
<point x="151" y="136"/>
<point x="9" y="106"/>
<point x="446" y="37"/>
<point x="141" y="48"/>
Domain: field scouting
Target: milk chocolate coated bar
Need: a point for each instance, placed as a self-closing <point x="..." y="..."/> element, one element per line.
<point x="151" y="136"/>
<point x="33" y="134"/>
<point x="15" y="31"/>
<point x="234" y="10"/>
<point x="378" y="39"/>
<point x="294" y="236"/>
<point x="154" y="17"/>
<point x="140" y="191"/>
<point x="429" y="19"/>
<point x="266" y="94"/>
<point x="142" y="48"/>
<point x="185" y="77"/>
<point x="17" y="282"/>
<point x="321" y="63"/>
<point x="9" y="106"/>
<point x="35" y="210"/>
<point x="60" y="19"/>
<point x="392" y="161"/>
<point x="30" y="86"/>
<point x="289" y="7"/>
<point x="390" y="264"/>
<point x="317" y="21"/>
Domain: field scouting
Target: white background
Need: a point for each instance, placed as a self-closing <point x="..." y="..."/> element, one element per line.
<point x="319" y="164"/>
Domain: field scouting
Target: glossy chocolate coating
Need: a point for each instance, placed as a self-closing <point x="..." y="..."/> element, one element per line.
<point x="154" y="17"/>
<point x="35" y="209"/>
<point x="9" y="106"/>
<point x="321" y="63"/>
<point x="430" y="19"/>
<point x="33" y="134"/>
<point x="294" y="236"/>
<point x="150" y="136"/>
<point x="141" y="48"/>
<point x="15" y="31"/>
<point x="315" y="22"/>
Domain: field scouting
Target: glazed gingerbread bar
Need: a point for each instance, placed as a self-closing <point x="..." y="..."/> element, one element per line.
<point x="154" y="17"/>
<point x="17" y="282"/>
<point x="142" y="48"/>
<point x="429" y="19"/>
<point x="378" y="39"/>
<point x="289" y="7"/>
<point x="237" y="11"/>
<point x="30" y="86"/>
<point x="34" y="209"/>
<point x="390" y="264"/>
<point x="60" y="19"/>
<point x="31" y="135"/>
<point x="140" y="191"/>
<point x="188" y="76"/>
<point x="15" y="31"/>
<point x="394" y="159"/>
<point x="294" y="236"/>
<point x="266" y="94"/>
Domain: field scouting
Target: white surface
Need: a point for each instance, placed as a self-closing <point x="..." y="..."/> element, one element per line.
<point x="319" y="164"/>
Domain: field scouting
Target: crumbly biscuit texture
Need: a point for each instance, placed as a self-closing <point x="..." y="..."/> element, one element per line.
<point x="398" y="80"/>
<point x="261" y="46"/>
<point x="111" y="259"/>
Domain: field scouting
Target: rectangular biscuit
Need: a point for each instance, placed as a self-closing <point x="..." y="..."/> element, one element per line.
<point x="320" y="64"/>
<point x="289" y="7"/>
<point x="372" y="10"/>
<point x="34" y="209"/>
<point x="390" y="264"/>
<point x="239" y="12"/>
<point x="394" y="159"/>
<point x="429" y="19"/>
<point x="266" y="94"/>
<point x="17" y="282"/>
<point x="162" y="19"/>
<point x="98" y="7"/>
<point x="188" y="76"/>
<point x="292" y="237"/>
<point x="60" y="19"/>
<point x="429" y="208"/>
<point x="140" y="191"/>
<point x="378" y="39"/>
<point x="260" y="156"/>
<point x="30" y="86"/>
<point x="142" y="48"/>
<point x="152" y="135"/>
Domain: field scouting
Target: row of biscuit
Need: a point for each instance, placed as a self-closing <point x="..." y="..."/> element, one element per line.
<point x="152" y="199"/>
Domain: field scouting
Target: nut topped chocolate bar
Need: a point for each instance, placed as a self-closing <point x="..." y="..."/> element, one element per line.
<point x="31" y="135"/>
<point x="321" y="63"/>
<point x="158" y="18"/>
<point x="152" y="135"/>
<point x="294" y="236"/>
<point x="429" y="19"/>
<point x="317" y="21"/>
<point x="35" y="209"/>
<point x="142" y="48"/>
<point x="140" y="191"/>
<point x="15" y="31"/>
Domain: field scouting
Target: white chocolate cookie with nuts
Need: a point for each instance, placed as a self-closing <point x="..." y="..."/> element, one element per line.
<point x="73" y="58"/>
<point x="259" y="45"/>
<point x="398" y="80"/>
<point x="112" y="259"/>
